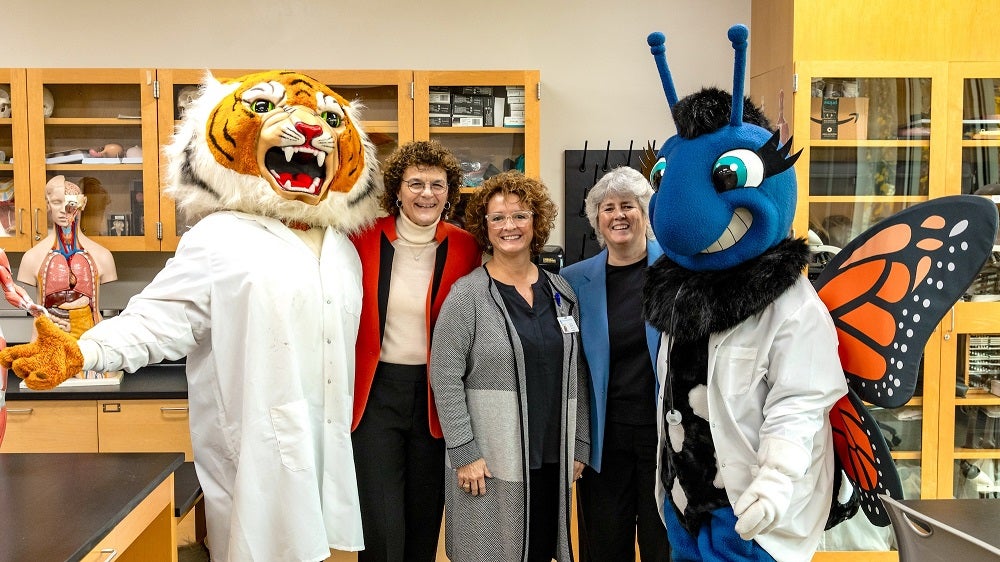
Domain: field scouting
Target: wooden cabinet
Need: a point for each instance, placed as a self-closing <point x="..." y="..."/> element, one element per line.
<point x="509" y="141"/>
<point x="75" y="111"/>
<point x="14" y="186"/>
<point x="883" y="124"/>
<point x="96" y="127"/>
<point x="143" y="426"/>
<point x="97" y="426"/>
<point x="51" y="426"/>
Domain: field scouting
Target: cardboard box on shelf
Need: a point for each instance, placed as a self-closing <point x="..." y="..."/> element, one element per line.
<point x="838" y="119"/>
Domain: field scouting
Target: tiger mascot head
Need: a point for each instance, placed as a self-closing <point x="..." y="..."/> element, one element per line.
<point x="278" y="144"/>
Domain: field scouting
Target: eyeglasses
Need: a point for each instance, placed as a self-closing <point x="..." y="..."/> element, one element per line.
<point x="499" y="220"/>
<point x="418" y="187"/>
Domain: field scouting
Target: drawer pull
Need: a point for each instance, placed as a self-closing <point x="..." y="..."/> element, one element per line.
<point x="173" y="408"/>
<point x="20" y="410"/>
<point x="111" y="552"/>
<point x="111" y="408"/>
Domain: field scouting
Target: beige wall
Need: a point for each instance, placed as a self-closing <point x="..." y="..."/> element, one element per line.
<point x="599" y="82"/>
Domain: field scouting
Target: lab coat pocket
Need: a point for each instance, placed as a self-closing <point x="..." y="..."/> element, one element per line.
<point x="293" y="434"/>
<point x="736" y="369"/>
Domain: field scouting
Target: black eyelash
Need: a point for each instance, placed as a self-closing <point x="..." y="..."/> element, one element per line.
<point x="775" y="159"/>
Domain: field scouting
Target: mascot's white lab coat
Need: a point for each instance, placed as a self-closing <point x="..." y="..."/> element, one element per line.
<point x="270" y="359"/>
<point x="763" y="410"/>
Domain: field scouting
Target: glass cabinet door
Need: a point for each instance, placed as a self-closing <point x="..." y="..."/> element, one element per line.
<point x="385" y="97"/>
<point x="488" y="119"/>
<point x="97" y="128"/>
<point x="14" y="186"/>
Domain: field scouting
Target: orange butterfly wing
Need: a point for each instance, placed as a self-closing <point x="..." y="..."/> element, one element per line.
<point x="887" y="291"/>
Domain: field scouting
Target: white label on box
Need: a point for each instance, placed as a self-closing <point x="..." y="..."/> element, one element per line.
<point x="439" y="97"/>
<point x="466" y="121"/>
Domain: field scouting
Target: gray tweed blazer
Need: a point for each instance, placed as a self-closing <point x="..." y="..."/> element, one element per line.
<point x="477" y="376"/>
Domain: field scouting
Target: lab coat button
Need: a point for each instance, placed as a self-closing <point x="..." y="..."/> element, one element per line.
<point x="328" y="340"/>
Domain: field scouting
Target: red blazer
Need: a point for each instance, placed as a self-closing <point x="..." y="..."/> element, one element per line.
<point x="457" y="254"/>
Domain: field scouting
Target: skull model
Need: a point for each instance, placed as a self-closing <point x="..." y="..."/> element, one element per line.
<point x="48" y="103"/>
<point x="4" y="103"/>
<point x="185" y="97"/>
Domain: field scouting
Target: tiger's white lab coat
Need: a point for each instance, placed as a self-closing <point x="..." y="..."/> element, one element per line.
<point x="269" y="332"/>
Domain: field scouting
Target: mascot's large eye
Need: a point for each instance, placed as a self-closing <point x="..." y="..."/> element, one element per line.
<point x="736" y="169"/>
<point x="332" y="119"/>
<point x="261" y="106"/>
<point x="656" y="173"/>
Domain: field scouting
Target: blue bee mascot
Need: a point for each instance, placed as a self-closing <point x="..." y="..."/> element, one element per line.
<point x="763" y="377"/>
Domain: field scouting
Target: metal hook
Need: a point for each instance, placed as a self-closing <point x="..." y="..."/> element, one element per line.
<point x="583" y="159"/>
<point x="628" y="159"/>
<point x="607" y="152"/>
<point x="583" y="204"/>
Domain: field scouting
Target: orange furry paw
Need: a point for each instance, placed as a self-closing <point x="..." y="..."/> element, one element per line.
<point x="46" y="362"/>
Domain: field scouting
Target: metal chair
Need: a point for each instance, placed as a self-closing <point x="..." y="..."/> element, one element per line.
<point x="923" y="539"/>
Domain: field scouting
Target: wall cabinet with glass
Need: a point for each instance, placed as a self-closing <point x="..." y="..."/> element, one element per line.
<point x="488" y="119"/>
<point x="14" y="185"/>
<point x="96" y="127"/>
<point x="387" y="115"/>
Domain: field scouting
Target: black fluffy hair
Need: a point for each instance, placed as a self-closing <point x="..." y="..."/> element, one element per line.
<point x="708" y="109"/>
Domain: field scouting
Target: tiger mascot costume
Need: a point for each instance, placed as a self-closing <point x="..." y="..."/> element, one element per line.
<point x="263" y="298"/>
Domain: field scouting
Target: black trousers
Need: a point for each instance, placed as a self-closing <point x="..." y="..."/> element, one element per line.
<point x="543" y="513"/>
<point x="617" y="506"/>
<point x="400" y="469"/>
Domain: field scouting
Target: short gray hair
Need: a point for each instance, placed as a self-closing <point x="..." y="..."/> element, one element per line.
<point x="621" y="181"/>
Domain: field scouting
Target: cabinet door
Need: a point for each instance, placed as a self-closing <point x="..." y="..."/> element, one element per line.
<point x="97" y="127"/>
<point x="488" y="119"/>
<point x="51" y="426"/>
<point x="14" y="185"/>
<point x="144" y="426"/>
<point x="387" y="116"/>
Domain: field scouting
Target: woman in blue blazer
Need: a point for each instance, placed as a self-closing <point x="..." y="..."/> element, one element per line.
<point x="615" y="496"/>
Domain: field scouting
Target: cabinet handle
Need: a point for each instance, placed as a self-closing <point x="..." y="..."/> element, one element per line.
<point x="20" y="221"/>
<point x="38" y="233"/>
<point x="173" y="408"/>
<point x="20" y="410"/>
<point x="111" y="552"/>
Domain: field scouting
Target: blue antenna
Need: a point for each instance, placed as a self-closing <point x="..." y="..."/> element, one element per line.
<point x="656" y="41"/>
<point x="738" y="36"/>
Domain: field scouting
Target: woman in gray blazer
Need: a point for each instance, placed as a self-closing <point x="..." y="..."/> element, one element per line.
<point x="510" y="387"/>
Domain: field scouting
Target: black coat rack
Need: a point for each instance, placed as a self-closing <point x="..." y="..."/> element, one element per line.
<point x="582" y="170"/>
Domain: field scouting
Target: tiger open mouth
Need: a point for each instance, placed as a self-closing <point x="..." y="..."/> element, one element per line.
<point x="297" y="169"/>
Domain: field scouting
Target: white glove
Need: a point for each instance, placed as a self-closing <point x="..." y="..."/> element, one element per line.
<point x="763" y="503"/>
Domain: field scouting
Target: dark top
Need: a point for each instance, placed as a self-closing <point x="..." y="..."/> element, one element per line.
<point x="161" y="381"/>
<point x="631" y="381"/>
<point x="542" y="342"/>
<point x="58" y="506"/>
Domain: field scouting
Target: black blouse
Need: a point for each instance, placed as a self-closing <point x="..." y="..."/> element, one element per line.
<point x="542" y="342"/>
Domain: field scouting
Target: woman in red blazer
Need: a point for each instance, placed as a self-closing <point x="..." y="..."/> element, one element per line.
<point x="410" y="259"/>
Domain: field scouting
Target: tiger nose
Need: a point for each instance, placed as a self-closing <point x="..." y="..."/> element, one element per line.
<point x="310" y="131"/>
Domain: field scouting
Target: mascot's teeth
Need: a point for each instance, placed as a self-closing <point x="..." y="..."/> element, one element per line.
<point x="320" y="158"/>
<point x="289" y="152"/>
<point x="288" y="184"/>
<point x="738" y="226"/>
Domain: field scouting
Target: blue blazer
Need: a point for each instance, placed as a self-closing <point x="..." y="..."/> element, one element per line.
<point x="588" y="281"/>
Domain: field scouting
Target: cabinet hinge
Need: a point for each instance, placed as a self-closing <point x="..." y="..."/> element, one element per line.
<point x="538" y="91"/>
<point x="159" y="231"/>
<point x="156" y="89"/>
<point x="412" y="89"/>
<point x="795" y="82"/>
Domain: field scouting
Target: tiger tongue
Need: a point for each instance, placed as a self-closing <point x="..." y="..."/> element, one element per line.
<point x="301" y="181"/>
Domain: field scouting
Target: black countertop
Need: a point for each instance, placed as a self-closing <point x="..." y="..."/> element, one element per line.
<point x="161" y="381"/>
<point x="58" y="506"/>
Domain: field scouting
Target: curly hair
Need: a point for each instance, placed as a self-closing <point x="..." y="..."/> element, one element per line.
<point x="534" y="197"/>
<point x="419" y="153"/>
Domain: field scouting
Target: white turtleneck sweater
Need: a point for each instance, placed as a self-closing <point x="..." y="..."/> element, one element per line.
<point x="405" y="341"/>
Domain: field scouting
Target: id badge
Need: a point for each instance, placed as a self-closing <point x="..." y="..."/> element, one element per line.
<point x="568" y="325"/>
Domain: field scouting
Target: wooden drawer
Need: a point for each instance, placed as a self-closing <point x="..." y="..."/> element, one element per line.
<point x="51" y="426"/>
<point x="146" y="426"/>
<point x="147" y="534"/>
